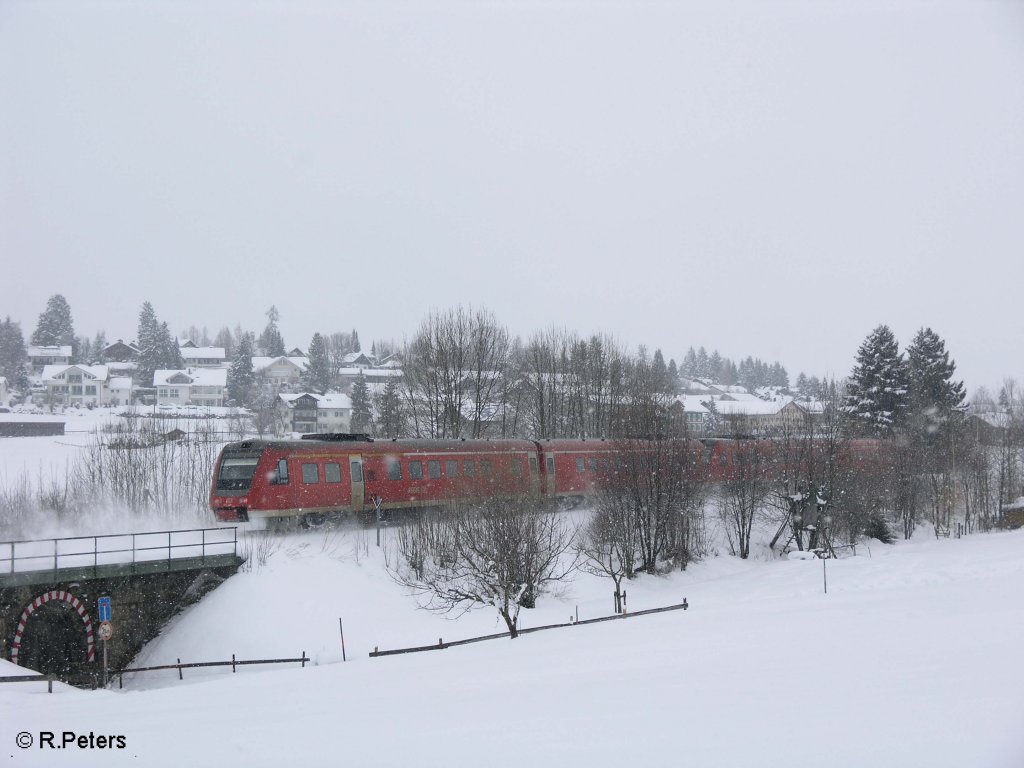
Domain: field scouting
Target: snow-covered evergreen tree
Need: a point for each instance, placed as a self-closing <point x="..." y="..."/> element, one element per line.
<point x="877" y="393"/>
<point x="148" y="340"/>
<point x="55" y="324"/>
<point x="391" y="410"/>
<point x="271" y="341"/>
<point x="241" y="378"/>
<point x="362" y="416"/>
<point x="688" y="367"/>
<point x="318" y="373"/>
<point x="935" y="398"/>
<point x="13" y="356"/>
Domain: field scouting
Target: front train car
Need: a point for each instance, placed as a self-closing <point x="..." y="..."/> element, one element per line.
<point x="239" y="477"/>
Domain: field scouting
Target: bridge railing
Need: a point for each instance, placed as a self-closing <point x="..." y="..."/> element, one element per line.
<point x="116" y="549"/>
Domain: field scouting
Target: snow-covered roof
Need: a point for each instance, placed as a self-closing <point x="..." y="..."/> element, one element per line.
<point x="121" y="382"/>
<point x="382" y="372"/>
<point x="756" y="407"/>
<point x="261" y="363"/>
<point x="52" y="372"/>
<point x="202" y="353"/>
<point x="61" y="351"/>
<point x="330" y="400"/>
<point x="692" y="403"/>
<point x="197" y="377"/>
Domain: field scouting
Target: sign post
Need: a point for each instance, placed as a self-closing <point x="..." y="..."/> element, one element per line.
<point x="106" y="630"/>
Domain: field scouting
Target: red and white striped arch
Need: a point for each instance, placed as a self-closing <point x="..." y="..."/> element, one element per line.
<point x="59" y="595"/>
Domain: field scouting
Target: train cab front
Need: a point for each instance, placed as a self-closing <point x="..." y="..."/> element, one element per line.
<point x="232" y="483"/>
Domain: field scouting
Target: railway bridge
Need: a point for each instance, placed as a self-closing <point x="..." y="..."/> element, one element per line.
<point x="50" y="592"/>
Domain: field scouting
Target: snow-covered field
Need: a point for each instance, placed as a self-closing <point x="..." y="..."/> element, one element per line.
<point x="911" y="659"/>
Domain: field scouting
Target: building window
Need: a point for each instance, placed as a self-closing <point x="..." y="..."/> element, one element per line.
<point x="434" y="469"/>
<point x="416" y="470"/>
<point x="76" y="390"/>
<point x="310" y="474"/>
<point x="90" y="389"/>
<point x="394" y="468"/>
<point x="332" y="472"/>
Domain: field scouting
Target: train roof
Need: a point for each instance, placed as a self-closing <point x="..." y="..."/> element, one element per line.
<point x="385" y="446"/>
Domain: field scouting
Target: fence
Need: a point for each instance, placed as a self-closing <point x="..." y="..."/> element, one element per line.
<point x="441" y="645"/>
<point x="234" y="663"/>
<point x="54" y="554"/>
<point x="30" y="679"/>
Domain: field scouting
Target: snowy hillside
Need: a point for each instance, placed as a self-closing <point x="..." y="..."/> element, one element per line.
<point x="912" y="658"/>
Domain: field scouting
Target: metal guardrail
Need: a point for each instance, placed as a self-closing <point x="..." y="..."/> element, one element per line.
<point x="196" y="664"/>
<point x="58" y="555"/>
<point x="31" y="679"/>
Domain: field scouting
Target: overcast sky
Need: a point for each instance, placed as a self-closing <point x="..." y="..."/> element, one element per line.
<point x="766" y="178"/>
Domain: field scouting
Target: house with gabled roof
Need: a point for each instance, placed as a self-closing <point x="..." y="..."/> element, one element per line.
<point x="191" y="386"/>
<point x="202" y="357"/>
<point x="280" y="372"/>
<point x="76" y="384"/>
<point x="309" y="413"/>
<point x="40" y="357"/>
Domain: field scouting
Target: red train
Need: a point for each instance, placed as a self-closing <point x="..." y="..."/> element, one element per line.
<point x="325" y="474"/>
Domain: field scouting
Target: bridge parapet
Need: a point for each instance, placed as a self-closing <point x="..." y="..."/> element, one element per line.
<point x="42" y="561"/>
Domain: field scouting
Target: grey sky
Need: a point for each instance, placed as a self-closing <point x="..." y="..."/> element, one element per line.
<point x="772" y="179"/>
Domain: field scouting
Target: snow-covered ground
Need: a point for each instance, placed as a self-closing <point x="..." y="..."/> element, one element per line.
<point x="911" y="659"/>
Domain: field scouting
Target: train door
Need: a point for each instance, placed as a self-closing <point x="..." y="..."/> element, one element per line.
<point x="355" y="465"/>
<point x="549" y="474"/>
<point x="534" y="476"/>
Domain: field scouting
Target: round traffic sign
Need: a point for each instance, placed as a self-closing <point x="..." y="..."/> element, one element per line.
<point x="106" y="630"/>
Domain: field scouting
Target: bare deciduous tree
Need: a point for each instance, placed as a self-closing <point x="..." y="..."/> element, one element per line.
<point x="497" y="552"/>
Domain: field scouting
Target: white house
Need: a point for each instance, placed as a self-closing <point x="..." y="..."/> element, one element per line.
<point x="81" y="384"/>
<point x="40" y="357"/>
<point x="192" y="386"/>
<point x="281" y="372"/>
<point x="201" y="357"/>
<point x="306" y="412"/>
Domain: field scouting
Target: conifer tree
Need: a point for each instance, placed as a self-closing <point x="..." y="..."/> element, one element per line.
<point x="391" y="410"/>
<point x="241" y="378"/>
<point x="361" y="413"/>
<point x="318" y="373"/>
<point x="935" y="398"/>
<point x="13" y="356"/>
<point x="55" y="324"/>
<point x="148" y="340"/>
<point x="271" y="341"/>
<point x="876" y="397"/>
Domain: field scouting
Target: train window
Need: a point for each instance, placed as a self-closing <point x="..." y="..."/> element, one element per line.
<point x="433" y="469"/>
<point x="357" y="471"/>
<point x="394" y="467"/>
<point x="517" y="467"/>
<point x="551" y="465"/>
<point x="469" y="468"/>
<point x="605" y="466"/>
<point x="451" y="468"/>
<point x="416" y="470"/>
<point x="581" y="465"/>
<point x="723" y="459"/>
<point x="485" y="467"/>
<point x="281" y="476"/>
<point x="332" y="472"/>
<point x="533" y="465"/>
<point x="593" y="465"/>
<point x="310" y="473"/>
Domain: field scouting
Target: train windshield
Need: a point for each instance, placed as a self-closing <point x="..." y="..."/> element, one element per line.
<point x="236" y="473"/>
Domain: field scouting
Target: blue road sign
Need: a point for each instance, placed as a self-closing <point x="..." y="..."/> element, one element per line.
<point x="104" y="608"/>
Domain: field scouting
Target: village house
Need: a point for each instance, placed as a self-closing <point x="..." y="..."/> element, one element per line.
<point x="191" y="386"/>
<point x="308" y="413"/>
<point x="77" y="385"/>
<point x="40" y="357"/>
<point x="280" y="372"/>
<point x="201" y="357"/>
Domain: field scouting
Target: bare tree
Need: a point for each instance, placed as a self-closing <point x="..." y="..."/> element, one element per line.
<point x="497" y="552"/>
<point x="747" y="484"/>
